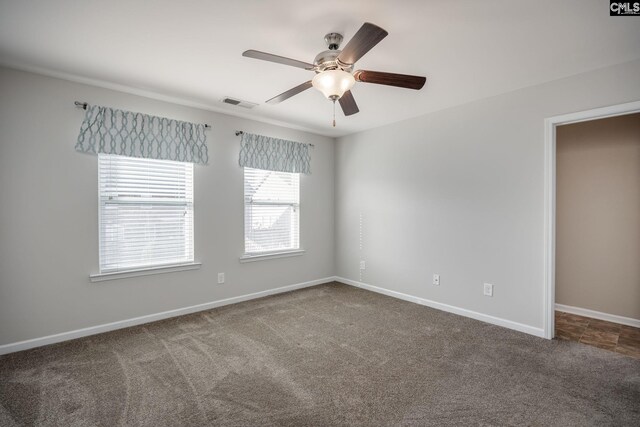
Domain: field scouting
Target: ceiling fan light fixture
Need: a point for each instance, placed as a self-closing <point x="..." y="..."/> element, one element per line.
<point x="333" y="83"/>
<point x="333" y="69"/>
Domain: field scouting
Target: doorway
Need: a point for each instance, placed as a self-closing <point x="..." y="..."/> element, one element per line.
<point x="598" y="233"/>
<point x="551" y="132"/>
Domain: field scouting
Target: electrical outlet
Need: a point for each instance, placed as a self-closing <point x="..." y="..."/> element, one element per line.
<point x="436" y="280"/>
<point x="362" y="265"/>
<point x="488" y="289"/>
<point x="220" y="278"/>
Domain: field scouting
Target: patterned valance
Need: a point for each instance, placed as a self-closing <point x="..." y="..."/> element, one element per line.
<point x="111" y="131"/>
<point x="263" y="152"/>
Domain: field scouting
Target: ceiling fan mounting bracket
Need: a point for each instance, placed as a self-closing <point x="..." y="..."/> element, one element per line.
<point x="333" y="40"/>
<point x="328" y="59"/>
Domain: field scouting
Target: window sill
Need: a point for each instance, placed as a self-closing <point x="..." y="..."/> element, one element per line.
<point x="101" y="277"/>
<point x="270" y="255"/>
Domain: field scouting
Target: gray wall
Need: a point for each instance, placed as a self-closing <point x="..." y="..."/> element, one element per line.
<point x="460" y="192"/>
<point x="49" y="216"/>
<point x="598" y="215"/>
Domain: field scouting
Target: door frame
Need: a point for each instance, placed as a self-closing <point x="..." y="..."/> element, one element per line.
<point x="550" y="125"/>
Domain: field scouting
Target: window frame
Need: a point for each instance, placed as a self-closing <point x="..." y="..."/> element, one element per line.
<point x="148" y="269"/>
<point x="276" y="253"/>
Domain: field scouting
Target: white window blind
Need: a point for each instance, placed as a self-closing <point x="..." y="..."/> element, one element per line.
<point x="146" y="212"/>
<point x="271" y="211"/>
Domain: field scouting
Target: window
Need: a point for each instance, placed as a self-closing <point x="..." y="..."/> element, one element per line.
<point x="271" y="211"/>
<point x="146" y="213"/>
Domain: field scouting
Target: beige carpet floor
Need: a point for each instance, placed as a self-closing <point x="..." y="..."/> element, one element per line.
<point x="329" y="355"/>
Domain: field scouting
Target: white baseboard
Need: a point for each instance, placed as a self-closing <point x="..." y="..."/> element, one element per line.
<point x="598" y="315"/>
<point x="79" y="333"/>
<point x="538" y="332"/>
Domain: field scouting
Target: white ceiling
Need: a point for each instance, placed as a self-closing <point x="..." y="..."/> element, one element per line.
<point x="191" y="50"/>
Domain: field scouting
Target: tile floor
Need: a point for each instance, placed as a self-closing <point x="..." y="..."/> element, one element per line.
<point x="598" y="333"/>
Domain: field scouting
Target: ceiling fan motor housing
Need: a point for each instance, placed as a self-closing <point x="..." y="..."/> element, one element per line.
<point x="327" y="60"/>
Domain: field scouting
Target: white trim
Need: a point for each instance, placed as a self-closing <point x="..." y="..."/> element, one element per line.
<point x="79" y="333"/>
<point x="532" y="330"/>
<point x="549" y="291"/>
<point x="156" y="95"/>
<point x="550" y="124"/>
<point x="101" y="277"/>
<point x="270" y="255"/>
<point x="598" y="315"/>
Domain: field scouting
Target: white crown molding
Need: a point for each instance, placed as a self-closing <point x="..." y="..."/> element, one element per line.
<point x="154" y="95"/>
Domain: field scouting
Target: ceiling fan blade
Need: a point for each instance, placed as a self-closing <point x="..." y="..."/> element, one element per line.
<point x="348" y="104"/>
<point x="291" y="92"/>
<point x="256" y="54"/>
<point x="367" y="37"/>
<point x="390" y="79"/>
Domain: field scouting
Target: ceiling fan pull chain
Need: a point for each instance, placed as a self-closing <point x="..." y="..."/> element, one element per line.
<point x="334" y="113"/>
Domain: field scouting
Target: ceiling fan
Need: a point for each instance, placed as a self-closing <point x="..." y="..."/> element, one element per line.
<point x="334" y="69"/>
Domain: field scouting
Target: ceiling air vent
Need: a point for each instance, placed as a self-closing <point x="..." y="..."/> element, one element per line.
<point x="238" y="102"/>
